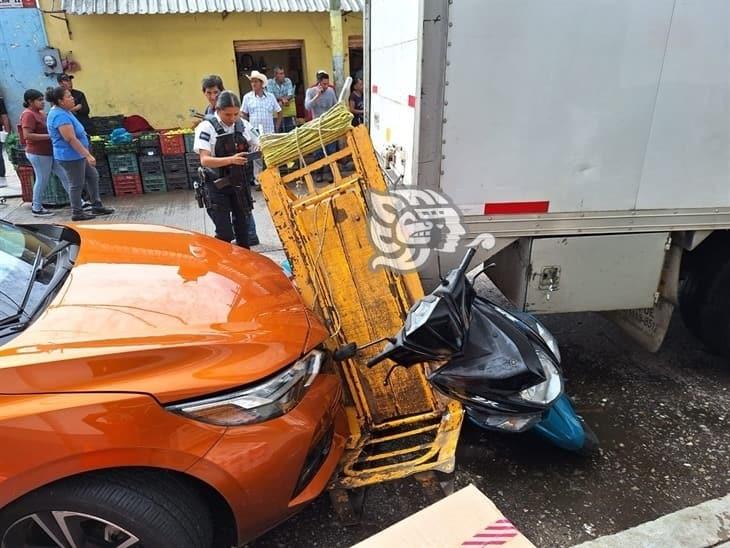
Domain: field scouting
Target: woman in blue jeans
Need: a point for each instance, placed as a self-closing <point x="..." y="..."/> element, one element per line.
<point x="71" y="150"/>
<point x="38" y="149"/>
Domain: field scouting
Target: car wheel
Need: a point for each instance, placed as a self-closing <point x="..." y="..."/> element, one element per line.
<point x="114" y="509"/>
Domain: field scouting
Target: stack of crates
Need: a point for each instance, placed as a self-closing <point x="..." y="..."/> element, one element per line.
<point x="26" y="176"/>
<point x="125" y="173"/>
<point x="176" y="172"/>
<point x="55" y="195"/>
<point x="149" y="144"/>
<point x="192" y="162"/>
<point x="106" y="187"/>
<point x="173" y="158"/>
<point x="153" y="176"/>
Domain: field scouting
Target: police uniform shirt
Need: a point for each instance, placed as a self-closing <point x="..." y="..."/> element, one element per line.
<point x="205" y="136"/>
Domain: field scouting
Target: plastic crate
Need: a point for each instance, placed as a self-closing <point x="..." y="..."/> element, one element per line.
<point x="122" y="164"/>
<point x="151" y="140"/>
<point x="175" y="165"/>
<point x="172" y="145"/>
<point x="150" y="166"/>
<point x="121" y="148"/>
<point x="189" y="141"/>
<point x="98" y="149"/>
<point x="106" y="186"/>
<point x="178" y="182"/>
<point x="149" y="151"/>
<point x="26" y="176"/>
<point x="55" y="195"/>
<point x="127" y="184"/>
<point x="192" y="162"/>
<point x="104" y="125"/>
<point x="18" y="157"/>
<point x="154" y="184"/>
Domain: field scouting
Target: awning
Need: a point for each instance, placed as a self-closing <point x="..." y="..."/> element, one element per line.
<point x="148" y="7"/>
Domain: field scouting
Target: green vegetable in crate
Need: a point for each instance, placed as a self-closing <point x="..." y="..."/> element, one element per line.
<point x="12" y="141"/>
<point x="281" y="148"/>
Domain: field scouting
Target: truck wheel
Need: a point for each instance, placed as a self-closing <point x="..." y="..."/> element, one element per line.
<point x="692" y="296"/>
<point x="125" y="508"/>
<point x="715" y="312"/>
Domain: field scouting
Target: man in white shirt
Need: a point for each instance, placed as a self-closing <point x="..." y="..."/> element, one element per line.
<point x="260" y="108"/>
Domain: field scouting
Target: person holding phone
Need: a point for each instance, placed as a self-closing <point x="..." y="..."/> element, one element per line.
<point x="318" y="100"/>
<point x="321" y="97"/>
<point x="224" y="142"/>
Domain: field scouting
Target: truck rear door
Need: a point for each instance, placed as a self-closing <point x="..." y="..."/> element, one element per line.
<point x="395" y="61"/>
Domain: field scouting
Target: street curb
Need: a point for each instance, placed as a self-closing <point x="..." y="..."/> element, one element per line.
<point x="701" y="526"/>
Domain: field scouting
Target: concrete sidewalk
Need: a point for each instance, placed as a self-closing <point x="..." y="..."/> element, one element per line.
<point x="702" y="526"/>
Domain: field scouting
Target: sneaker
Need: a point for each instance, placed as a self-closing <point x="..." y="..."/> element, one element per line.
<point x="253" y="242"/>
<point x="101" y="210"/>
<point x="86" y="205"/>
<point x="83" y="216"/>
<point x="43" y="212"/>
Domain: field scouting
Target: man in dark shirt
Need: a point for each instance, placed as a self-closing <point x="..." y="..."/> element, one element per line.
<point x="4" y="126"/>
<point x="81" y="110"/>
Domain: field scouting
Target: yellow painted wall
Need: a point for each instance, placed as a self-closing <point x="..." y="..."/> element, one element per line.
<point x="152" y="64"/>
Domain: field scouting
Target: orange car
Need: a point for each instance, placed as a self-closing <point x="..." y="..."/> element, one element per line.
<point x="158" y="388"/>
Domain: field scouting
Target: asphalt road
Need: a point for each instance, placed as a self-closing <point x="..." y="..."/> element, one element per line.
<point x="664" y="428"/>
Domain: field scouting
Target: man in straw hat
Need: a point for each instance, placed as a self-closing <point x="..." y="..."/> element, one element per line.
<point x="260" y="108"/>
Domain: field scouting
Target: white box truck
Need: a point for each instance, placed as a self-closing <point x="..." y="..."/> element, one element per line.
<point x="591" y="138"/>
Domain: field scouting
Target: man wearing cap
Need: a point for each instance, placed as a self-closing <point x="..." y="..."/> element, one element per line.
<point x="260" y="108"/>
<point x="81" y="110"/>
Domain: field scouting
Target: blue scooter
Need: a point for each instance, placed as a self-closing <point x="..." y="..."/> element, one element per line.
<point x="503" y="367"/>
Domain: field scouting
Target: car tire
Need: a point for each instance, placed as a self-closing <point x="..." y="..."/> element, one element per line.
<point x="156" y="508"/>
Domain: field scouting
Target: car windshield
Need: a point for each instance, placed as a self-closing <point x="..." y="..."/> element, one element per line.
<point x="18" y="251"/>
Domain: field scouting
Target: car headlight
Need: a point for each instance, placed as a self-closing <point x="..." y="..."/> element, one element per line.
<point x="267" y="400"/>
<point x="547" y="391"/>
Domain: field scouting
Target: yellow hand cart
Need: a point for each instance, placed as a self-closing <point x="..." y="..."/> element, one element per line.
<point x="399" y="427"/>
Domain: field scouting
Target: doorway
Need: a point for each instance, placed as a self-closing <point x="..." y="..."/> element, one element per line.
<point x="354" y="52"/>
<point x="264" y="55"/>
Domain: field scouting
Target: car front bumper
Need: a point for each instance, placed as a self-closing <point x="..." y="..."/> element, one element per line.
<point x="268" y="471"/>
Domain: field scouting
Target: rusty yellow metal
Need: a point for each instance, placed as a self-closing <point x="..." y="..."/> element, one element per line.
<point x="399" y="428"/>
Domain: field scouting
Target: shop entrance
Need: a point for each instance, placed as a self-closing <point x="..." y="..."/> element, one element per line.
<point x="264" y="55"/>
<point x="354" y="45"/>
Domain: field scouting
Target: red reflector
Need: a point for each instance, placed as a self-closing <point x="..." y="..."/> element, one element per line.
<point x="412" y="101"/>
<point x="506" y="208"/>
<point x="375" y="88"/>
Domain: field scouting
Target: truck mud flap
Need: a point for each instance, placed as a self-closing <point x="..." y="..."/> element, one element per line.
<point x="398" y="428"/>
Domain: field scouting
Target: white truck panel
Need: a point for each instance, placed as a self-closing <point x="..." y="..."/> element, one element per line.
<point x="688" y="156"/>
<point x="395" y="60"/>
<point x="551" y="100"/>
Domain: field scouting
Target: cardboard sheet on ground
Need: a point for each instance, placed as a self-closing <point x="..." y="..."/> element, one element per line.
<point x="465" y="519"/>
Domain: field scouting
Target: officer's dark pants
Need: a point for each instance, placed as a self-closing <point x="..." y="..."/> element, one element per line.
<point x="226" y="211"/>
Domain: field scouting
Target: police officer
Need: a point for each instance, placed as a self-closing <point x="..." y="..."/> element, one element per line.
<point x="224" y="141"/>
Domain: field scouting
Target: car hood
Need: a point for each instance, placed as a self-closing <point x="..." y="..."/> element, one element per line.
<point x="162" y="311"/>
